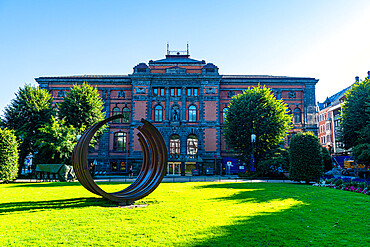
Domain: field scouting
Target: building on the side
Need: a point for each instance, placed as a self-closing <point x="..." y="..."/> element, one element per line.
<point x="186" y="100"/>
<point x="328" y="123"/>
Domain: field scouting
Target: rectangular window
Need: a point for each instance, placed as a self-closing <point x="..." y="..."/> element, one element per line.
<point x="192" y="91"/>
<point x="120" y="141"/>
<point x="179" y="92"/>
<point x="158" y="91"/>
<point x="172" y="90"/>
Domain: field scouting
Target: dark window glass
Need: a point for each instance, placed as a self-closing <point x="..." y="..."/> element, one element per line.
<point x="297" y="116"/>
<point x="116" y="111"/>
<point x="119" y="142"/>
<point x="126" y="115"/>
<point x="195" y="91"/>
<point x="192" y="113"/>
<point x="179" y="92"/>
<point x="158" y="113"/>
<point x="189" y="91"/>
<point x="162" y="92"/>
<point x="155" y="91"/>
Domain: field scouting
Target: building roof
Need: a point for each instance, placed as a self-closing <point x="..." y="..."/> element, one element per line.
<point x="262" y="77"/>
<point x="176" y="59"/>
<point x="331" y="99"/>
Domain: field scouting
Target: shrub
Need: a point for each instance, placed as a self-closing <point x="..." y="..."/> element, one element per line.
<point x="305" y="158"/>
<point x="327" y="160"/>
<point x="8" y="155"/>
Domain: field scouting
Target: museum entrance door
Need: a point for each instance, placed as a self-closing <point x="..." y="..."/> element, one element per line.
<point x="174" y="168"/>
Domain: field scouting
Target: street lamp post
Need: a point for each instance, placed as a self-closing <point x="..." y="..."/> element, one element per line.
<point x="253" y="141"/>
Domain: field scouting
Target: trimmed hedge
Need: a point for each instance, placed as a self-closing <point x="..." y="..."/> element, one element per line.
<point x="8" y="155"/>
<point x="305" y="158"/>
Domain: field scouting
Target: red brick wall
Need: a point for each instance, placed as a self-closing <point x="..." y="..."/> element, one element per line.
<point x="210" y="140"/>
<point x="140" y="110"/>
<point x="210" y="110"/>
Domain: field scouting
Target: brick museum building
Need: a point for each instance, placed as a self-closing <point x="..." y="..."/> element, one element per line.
<point x="186" y="100"/>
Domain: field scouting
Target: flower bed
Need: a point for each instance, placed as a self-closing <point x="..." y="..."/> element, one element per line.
<point x="343" y="183"/>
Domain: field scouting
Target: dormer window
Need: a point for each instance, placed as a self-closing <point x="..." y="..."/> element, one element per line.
<point x="210" y="70"/>
<point x="140" y="70"/>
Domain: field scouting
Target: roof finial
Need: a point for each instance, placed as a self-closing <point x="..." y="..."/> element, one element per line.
<point x="187" y="48"/>
<point x="168" y="48"/>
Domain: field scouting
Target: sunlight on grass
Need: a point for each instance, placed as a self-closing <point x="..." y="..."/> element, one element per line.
<point x="181" y="214"/>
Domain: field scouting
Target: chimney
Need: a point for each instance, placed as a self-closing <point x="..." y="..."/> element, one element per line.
<point x="357" y="78"/>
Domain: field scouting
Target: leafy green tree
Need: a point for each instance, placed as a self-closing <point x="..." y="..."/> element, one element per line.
<point x="326" y="158"/>
<point x="355" y="126"/>
<point x="56" y="143"/>
<point x="259" y="111"/>
<point x="274" y="163"/>
<point x="305" y="158"/>
<point x="361" y="153"/>
<point x="26" y="114"/>
<point x="81" y="107"/>
<point x="8" y="155"/>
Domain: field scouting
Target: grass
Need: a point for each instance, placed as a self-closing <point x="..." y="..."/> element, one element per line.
<point x="184" y="214"/>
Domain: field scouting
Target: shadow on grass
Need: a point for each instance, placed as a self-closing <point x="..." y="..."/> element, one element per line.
<point x="58" y="184"/>
<point x="317" y="219"/>
<point x="53" y="204"/>
<point x="44" y="184"/>
<point x="254" y="192"/>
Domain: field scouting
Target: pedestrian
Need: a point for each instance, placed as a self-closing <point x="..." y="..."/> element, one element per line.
<point x="130" y="172"/>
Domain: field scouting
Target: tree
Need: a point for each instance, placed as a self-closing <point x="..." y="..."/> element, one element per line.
<point x="8" y="155"/>
<point x="326" y="158"/>
<point x="274" y="163"/>
<point x="305" y="158"/>
<point x="355" y="125"/>
<point x="56" y="143"/>
<point x="27" y="112"/>
<point x="256" y="110"/>
<point x="81" y="107"/>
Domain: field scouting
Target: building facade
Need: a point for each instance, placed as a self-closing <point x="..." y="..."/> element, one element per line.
<point x="328" y="123"/>
<point x="186" y="100"/>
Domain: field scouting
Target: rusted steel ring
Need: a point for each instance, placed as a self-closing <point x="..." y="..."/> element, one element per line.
<point x="152" y="171"/>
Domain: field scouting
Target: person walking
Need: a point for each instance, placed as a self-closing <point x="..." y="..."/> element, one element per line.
<point x="130" y="173"/>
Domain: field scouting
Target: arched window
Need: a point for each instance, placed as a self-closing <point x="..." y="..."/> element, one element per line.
<point x="192" y="113"/>
<point x="192" y="145"/>
<point x="116" y="111"/>
<point x="126" y="115"/>
<point x="120" y="141"/>
<point x="224" y="112"/>
<point x="158" y="113"/>
<point x="175" y="113"/>
<point x="175" y="144"/>
<point x="297" y="116"/>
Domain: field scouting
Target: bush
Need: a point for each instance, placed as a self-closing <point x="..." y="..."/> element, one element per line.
<point x="305" y="158"/>
<point x="328" y="162"/>
<point x="8" y="155"/>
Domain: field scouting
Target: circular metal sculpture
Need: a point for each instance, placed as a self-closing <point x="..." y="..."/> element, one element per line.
<point x="151" y="173"/>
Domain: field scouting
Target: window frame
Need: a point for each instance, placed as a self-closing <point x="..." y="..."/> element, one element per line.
<point x="116" y="141"/>
<point x="158" y="113"/>
<point x="192" y="113"/>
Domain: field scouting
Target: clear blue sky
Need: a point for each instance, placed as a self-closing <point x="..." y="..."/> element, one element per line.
<point x="325" y="39"/>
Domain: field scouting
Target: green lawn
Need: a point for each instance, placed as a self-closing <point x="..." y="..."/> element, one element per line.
<point x="184" y="214"/>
